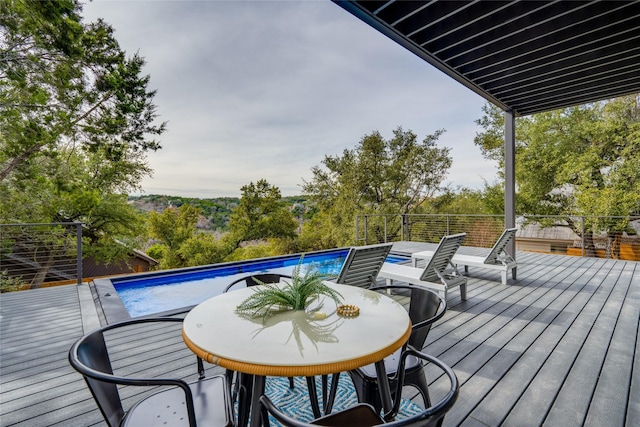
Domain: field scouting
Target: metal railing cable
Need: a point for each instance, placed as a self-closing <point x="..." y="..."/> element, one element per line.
<point x="615" y="237"/>
<point x="36" y="255"/>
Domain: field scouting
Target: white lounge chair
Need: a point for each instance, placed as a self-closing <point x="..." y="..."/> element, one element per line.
<point x="362" y="265"/>
<point x="439" y="274"/>
<point x="497" y="259"/>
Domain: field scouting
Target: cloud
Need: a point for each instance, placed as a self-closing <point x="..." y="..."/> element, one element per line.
<point x="266" y="89"/>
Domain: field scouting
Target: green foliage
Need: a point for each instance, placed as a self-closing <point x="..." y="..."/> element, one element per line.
<point x="173" y="226"/>
<point x="491" y="139"/>
<point x="216" y="210"/>
<point x="378" y="176"/>
<point x="261" y="214"/>
<point x="260" y="250"/>
<point x="179" y="243"/>
<point x="579" y="161"/>
<point x="272" y="247"/>
<point x="157" y="251"/>
<point x="488" y="201"/>
<point x="582" y="160"/>
<point x="493" y="198"/>
<point x="76" y="122"/>
<point x="295" y="295"/>
<point x="200" y="249"/>
<point x="68" y="84"/>
<point x="327" y="229"/>
<point x="462" y="201"/>
<point x="9" y="283"/>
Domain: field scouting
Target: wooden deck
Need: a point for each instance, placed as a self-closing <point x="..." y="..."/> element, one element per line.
<point x="559" y="346"/>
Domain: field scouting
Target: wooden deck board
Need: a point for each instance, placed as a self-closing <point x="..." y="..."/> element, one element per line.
<point x="609" y="403"/>
<point x="514" y="383"/>
<point x="483" y="368"/>
<point x="633" y="411"/>
<point x="549" y="382"/>
<point x="558" y="346"/>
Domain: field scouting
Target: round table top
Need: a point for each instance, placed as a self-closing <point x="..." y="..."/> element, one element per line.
<point x="297" y="343"/>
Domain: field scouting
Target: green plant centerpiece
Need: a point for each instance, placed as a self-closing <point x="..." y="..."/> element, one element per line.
<point x="297" y="294"/>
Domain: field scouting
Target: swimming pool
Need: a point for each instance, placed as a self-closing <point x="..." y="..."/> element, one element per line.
<point x="173" y="291"/>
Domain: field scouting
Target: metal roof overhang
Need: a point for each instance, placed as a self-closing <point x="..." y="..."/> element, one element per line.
<point x="524" y="56"/>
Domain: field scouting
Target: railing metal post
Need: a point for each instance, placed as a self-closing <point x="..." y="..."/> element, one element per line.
<point x="448" y="230"/>
<point x="385" y="229"/>
<point x="79" y="251"/>
<point x="366" y="229"/>
<point x="582" y="237"/>
<point x="405" y="222"/>
<point x="357" y="221"/>
<point x="510" y="176"/>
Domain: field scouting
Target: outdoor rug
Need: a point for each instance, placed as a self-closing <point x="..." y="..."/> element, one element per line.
<point x="295" y="402"/>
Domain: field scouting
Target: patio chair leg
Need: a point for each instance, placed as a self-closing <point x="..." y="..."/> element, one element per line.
<point x="328" y="404"/>
<point x="313" y="396"/>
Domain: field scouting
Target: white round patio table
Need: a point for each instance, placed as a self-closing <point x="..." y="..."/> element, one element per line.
<point x="297" y="343"/>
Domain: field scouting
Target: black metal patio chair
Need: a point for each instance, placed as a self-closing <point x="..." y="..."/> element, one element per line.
<point x="365" y="415"/>
<point x="203" y="402"/>
<point x="425" y="308"/>
<point x="256" y="279"/>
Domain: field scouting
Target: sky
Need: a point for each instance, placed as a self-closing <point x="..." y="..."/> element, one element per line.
<point x="267" y="89"/>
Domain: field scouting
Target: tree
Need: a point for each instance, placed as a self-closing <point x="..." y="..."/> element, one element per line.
<point x="381" y="176"/>
<point x="76" y="121"/>
<point x="68" y="84"/>
<point x="261" y="214"/>
<point x="179" y="244"/>
<point x="580" y="161"/>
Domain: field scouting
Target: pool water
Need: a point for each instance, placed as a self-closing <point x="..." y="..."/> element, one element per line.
<point x="167" y="291"/>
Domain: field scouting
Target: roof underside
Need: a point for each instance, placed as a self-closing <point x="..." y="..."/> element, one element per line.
<point x="524" y="56"/>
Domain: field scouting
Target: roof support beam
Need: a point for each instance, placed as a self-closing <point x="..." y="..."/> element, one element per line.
<point x="510" y="176"/>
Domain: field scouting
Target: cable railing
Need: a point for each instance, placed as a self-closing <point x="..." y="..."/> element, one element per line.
<point x="590" y="236"/>
<point x="35" y="255"/>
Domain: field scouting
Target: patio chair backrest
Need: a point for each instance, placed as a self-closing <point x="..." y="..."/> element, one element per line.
<point x="92" y="353"/>
<point x="501" y="243"/>
<point x="362" y="265"/>
<point x="433" y="416"/>
<point x="89" y="355"/>
<point x="441" y="258"/>
<point x="425" y="308"/>
<point x="257" y="279"/>
<point x="364" y="414"/>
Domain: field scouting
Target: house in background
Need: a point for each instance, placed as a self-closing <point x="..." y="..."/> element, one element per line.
<point x="137" y="262"/>
<point x="564" y="241"/>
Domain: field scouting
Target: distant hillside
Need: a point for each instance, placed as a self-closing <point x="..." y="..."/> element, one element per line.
<point x="216" y="211"/>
